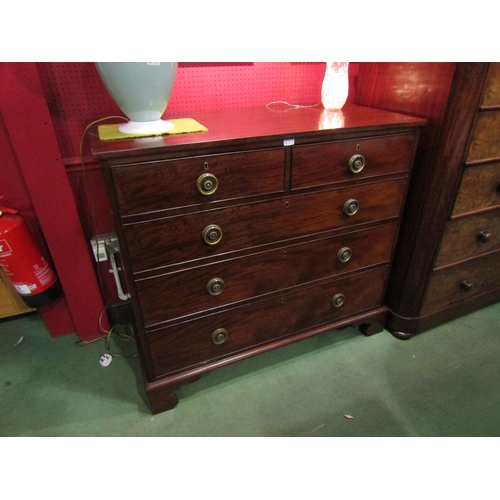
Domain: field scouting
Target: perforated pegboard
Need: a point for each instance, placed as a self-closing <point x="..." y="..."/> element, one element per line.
<point x="216" y="87"/>
<point x="76" y="95"/>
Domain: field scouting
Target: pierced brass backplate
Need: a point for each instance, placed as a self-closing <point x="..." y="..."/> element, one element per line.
<point x="338" y="300"/>
<point x="207" y="184"/>
<point x="212" y="234"/>
<point x="344" y="255"/>
<point x="357" y="163"/>
<point x="351" y="207"/>
<point x="215" y="286"/>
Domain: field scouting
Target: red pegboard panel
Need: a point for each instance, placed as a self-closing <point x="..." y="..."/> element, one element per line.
<point x="76" y="95"/>
<point x="218" y="87"/>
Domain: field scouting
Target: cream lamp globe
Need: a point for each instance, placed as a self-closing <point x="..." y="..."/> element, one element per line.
<point x="142" y="91"/>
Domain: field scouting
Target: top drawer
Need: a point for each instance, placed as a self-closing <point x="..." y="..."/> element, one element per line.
<point x="167" y="184"/>
<point x="332" y="162"/>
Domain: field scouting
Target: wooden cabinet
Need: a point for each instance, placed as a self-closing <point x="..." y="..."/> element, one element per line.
<point x="11" y="303"/>
<point x="269" y="228"/>
<point x="448" y="258"/>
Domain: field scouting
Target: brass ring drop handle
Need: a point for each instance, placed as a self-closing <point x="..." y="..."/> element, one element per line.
<point x="351" y="207"/>
<point x="484" y="236"/>
<point x="207" y="184"/>
<point x="212" y="234"/>
<point x="344" y="255"/>
<point x="356" y="164"/>
<point x="219" y="336"/>
<point x="466" y="286"/>
<point x="338" y="300"/>
<point x="215" y="286"/>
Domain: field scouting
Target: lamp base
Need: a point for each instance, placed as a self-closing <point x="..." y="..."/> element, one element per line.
<point x="154" y="127"/>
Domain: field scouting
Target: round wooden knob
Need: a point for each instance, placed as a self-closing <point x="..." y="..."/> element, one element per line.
<point x="344" y="255"/>
<point x="207" y="184"/>
<point x="356" y="163"/>
<point x="215" y="286"/>
<point x="466" y="286"/>
<point x="338" y="300"/>
<point x="484" y="236"/>
<point x="212" y="234"/>
<point x="219" y="336"/>
<point x="351" y="207"/>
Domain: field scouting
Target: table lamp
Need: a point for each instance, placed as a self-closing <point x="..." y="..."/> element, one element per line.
<point x="142" y="91"/>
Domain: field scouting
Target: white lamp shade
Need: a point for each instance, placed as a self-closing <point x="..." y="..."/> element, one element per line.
<point x="141" y="90"/>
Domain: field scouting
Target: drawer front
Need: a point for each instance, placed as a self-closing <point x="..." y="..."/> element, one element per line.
<point x="161" y="185"/>
<point x="479" y="189"/>
<point x="182" y="293"/>
<point x="163" y="242"/>
<point x="456" y="284"/>
<point x="190" y="343"/>
<point x="329" y="163"/>
<point x="470" y="236"/>
<point x="492" y="86"/>
<point x="485" y="143"/>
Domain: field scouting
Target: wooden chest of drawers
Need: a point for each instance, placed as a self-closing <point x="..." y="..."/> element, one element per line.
<point x="448" y="258"/>
<point x="269" y="228"/>
<point x="467" y="265"/>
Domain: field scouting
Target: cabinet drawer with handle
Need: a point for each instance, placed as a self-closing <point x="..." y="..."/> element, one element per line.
<point x="153" y="186"/>
<point x="453" y="285"/>
<point x="333" y="162"/>
<point x="470" y="236"/>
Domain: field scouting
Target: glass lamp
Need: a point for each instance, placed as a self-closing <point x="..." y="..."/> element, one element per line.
<point x="142" y="91"/>
<point x="335" y="88"/>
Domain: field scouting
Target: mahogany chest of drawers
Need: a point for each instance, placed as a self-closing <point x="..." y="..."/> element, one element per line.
<point x="269" y="228"/>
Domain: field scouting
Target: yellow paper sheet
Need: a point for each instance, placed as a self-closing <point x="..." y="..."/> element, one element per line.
<point x="181" y="126"/>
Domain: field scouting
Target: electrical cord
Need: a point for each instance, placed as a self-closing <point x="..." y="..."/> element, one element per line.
<point x="93" y="203"/>
<point x="106" y="339"/>
<point x="291" y="106"/>
<point x="107" y="333"/>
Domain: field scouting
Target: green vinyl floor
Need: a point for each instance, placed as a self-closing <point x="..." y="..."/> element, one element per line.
<point x="444" y="382"/>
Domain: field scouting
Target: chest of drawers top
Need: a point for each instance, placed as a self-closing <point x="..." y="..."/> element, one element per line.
<point x="244" y="128"/>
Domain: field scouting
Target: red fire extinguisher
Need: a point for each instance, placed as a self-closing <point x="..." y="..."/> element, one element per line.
<point x="25" y="263"/>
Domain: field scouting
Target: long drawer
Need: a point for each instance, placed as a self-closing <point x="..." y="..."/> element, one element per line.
<point x="469" y="236"/>
<point x="452" y="285"/>
<point x="333" y="162"/>
<point x="218" y="335"/>
<point x="200" y="288"/>
<point x="160" y="185"/>
<point x="161" y="242"/>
